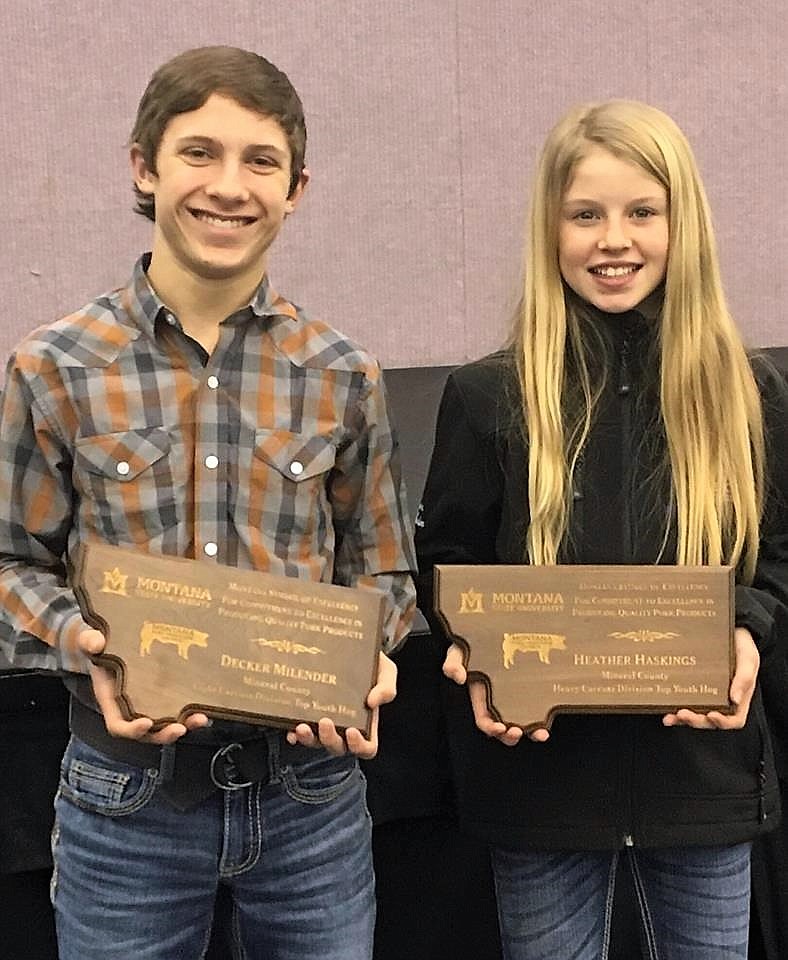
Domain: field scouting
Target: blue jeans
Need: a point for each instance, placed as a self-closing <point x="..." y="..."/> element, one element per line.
<point x="694" y="902"/>
<point x="136" y="878"/>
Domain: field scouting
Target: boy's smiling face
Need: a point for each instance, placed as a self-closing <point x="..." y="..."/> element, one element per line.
<point x="221" y="192"/>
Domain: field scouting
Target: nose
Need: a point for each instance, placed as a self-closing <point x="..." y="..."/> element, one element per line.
<point x="228" y="185"/>
<point x="615" y="235"/>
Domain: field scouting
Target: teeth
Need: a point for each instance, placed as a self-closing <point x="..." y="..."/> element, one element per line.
<point x="222" y="221"/>
<point x="613" y="271"/>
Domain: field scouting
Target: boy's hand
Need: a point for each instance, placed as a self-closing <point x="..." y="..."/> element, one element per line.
<point x="92" y="642"/>
<point x="328" y="736"/>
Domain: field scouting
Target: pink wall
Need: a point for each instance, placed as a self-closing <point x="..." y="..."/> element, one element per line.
<point x="424" y="117"/>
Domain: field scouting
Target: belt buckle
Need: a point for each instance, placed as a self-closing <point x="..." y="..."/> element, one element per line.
<point x="224" y="769"/>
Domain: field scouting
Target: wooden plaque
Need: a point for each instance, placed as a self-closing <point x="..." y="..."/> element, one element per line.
<point x="187" y="636"/>
<point x="592" y="639"/>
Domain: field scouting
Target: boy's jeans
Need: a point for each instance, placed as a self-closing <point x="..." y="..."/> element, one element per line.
<point x="135" y="878"/>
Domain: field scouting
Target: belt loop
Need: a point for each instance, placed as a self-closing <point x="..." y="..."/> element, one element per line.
<point x="167" y="762"/>
<point x="274" y="738"/>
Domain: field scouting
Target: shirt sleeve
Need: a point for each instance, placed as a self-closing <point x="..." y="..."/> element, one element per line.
<point x="369" y="506"/>
<point x="40" y="620"/>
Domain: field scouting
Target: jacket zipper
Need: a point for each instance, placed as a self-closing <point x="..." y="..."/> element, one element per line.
<point x="625" y="397"/>
<point x="762" y="780"/>
<point x="625" y="393"/>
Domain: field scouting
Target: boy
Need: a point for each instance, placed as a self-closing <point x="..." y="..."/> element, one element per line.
<point x="197" y="413"/>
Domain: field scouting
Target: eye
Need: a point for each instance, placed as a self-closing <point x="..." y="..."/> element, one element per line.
<point x="263" y="162"/>
<point x="196" y="154"/>
<point x="643" y="213"/>
<point x="584" y="216"/>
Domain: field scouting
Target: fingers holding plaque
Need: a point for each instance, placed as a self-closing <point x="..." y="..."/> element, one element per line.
<point x="591" y="639"/>
<point x="186" y="636"/>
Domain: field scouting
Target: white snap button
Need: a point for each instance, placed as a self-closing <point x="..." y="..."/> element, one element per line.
<point x="211" y="462"/>
<point x="171" y="320"/>
<point x="296" y="468"/>
<point x="123" y="468"/>
<point x="213" y="382"/>
<point x="210" y="549"/>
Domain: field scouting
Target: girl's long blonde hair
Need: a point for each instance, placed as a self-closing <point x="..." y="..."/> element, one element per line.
<point x="709" y="402"/>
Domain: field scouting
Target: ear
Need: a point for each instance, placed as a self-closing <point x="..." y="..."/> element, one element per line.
<point x="144" y="177"/>
<point x="298" y="191"/>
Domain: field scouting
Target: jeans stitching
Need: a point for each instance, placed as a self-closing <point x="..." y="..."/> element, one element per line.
<point x="86" y="774"/>
<point x="645" y="913"/>
<point x="146" y="789"/>
<point x="250" y="826"/>
<point x="54" y="841"/>
<point x="236" y="942"/>
<point x="611" y="889"/>
<point x="321" y="795"/>
<point x="206" y="943"/>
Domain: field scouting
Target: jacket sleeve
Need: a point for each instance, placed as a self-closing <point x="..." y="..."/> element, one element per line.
<point x="756" y="604"/>
<point x="459" y="516"/>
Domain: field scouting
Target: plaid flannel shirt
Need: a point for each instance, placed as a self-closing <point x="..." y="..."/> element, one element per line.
<point x="274" y="453"/>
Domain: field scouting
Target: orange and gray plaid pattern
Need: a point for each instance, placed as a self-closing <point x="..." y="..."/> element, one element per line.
<point x="274" y="453"/>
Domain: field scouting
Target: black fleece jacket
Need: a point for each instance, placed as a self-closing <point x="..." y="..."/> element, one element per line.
<point x="601" y="781"/>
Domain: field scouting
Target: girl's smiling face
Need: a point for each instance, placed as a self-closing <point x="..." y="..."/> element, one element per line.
<point x="613" y="232"/>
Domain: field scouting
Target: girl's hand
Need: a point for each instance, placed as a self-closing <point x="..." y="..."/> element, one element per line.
<point x="742" y="688"/>
<point x="454" y="669"/>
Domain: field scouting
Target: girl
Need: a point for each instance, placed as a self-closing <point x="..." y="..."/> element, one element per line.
<point x="623" y="424"/>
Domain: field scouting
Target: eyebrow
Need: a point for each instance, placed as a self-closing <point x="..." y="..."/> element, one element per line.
<point x="212" y="142"/>
<point x="635" y="202"/>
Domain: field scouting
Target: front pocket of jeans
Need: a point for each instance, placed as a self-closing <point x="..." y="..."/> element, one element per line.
<point x="321" y="780"/>
<point x="114" y="790"/>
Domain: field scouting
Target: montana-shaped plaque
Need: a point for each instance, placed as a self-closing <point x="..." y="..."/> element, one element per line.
<point x="591" y="639"/>
<point x="188" y="636"/>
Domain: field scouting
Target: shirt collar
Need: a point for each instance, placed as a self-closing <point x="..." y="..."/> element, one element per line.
<point x="267" y="303"/>
<point x="144" y="304"/>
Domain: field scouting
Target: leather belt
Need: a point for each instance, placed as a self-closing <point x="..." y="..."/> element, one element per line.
<point x="188" y="772"/>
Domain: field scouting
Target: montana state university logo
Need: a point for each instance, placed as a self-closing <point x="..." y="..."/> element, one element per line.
<point x="539" y="643"/>
<point x="471" y="602"/>
<point x="115" y="582"/>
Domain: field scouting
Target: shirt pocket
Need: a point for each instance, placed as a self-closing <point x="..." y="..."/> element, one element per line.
<point x="297" y="457"/>
<point x="127" y="483"/>
<point x="288" y="488"/>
